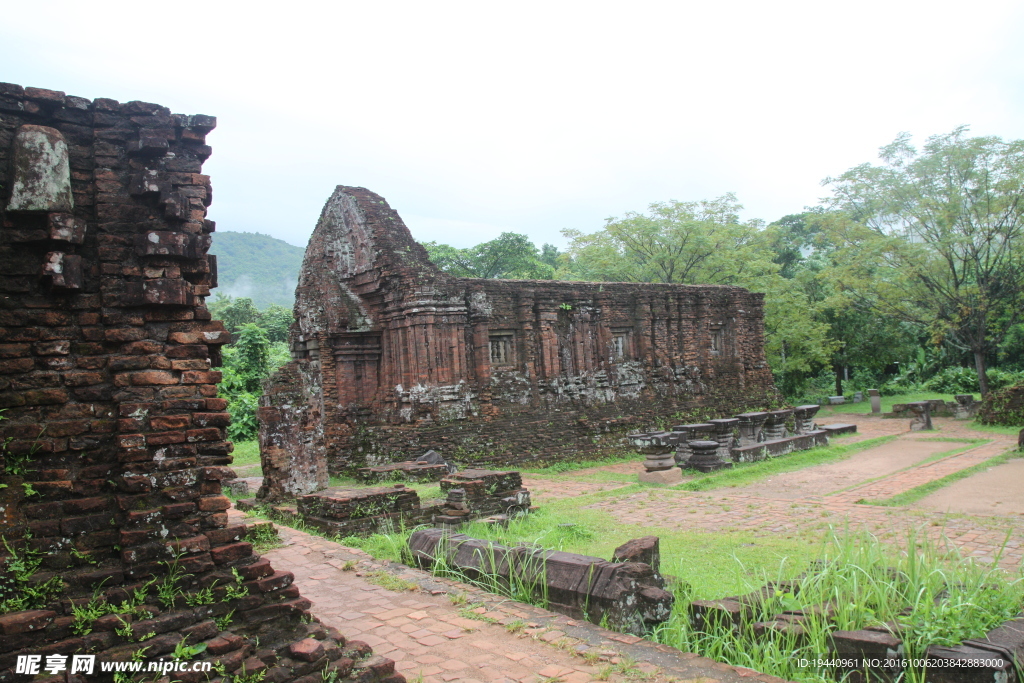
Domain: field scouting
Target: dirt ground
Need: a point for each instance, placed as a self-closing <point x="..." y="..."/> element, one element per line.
<point x="998" y="490"/>
<point x="875" y="462"/>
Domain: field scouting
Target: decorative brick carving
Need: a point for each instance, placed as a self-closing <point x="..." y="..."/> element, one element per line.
<point x="393" y="357"/>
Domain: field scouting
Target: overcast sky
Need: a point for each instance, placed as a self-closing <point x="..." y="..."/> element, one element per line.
<point x="473" y="118"/>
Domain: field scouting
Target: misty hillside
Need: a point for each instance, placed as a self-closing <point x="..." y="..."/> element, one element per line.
<point x="260" y="267"/>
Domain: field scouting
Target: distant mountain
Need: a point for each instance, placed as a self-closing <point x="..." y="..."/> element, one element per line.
<point x="260" y="267"/>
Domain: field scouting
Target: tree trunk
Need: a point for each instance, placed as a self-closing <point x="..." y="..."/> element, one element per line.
<point x="839" y="380"/>
<point x="979" y="365"/>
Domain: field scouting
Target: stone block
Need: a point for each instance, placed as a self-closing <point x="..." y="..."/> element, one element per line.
<point x="62" y="271"/>
<point x="42" y="173"/>
<point x="13" y="623"/>
<point x="159" y="292"/>
<point x="64" y="227"/>
<point x="646" y="549"/>
<point x="837" y="428"/>
<point x="629" y="596"/>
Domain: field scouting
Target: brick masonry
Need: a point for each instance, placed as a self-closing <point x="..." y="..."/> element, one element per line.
<point x="113" y="435"/>
<point x="393" y="357"/>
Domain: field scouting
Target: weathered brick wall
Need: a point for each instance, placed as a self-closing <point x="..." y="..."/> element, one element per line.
<point x="113" y="436"/>
<point x="402" y="357"/>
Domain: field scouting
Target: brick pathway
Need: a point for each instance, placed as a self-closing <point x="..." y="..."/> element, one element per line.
<point x="483" y="638"/>
<point x="745" y="510"/>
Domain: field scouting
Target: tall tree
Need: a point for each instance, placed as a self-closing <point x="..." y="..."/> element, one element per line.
<point x="234" y="313"/>
<point x="704" y="242"/>
<point x="700" y="242"/>
<point x="511" y="255"/>
<point x="934" y="238"/>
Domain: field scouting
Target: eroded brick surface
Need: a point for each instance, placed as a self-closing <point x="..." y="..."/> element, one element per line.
<point x="114" y="437"/>
<point x="393" y="357"/>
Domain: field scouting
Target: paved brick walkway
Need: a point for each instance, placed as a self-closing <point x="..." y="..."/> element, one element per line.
<point x="745" y="510"/>
<point x="477" y="637"/>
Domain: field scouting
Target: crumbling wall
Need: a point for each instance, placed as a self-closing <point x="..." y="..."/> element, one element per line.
<point x="489" y="372"/>
<point x="113" y="435"/>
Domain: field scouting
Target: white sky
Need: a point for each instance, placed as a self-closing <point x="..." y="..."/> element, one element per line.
<point x="472" y="118"/>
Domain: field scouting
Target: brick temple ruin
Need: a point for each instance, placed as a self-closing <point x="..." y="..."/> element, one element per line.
<point x="113" y="436"/>
<point x="393" y="357"/>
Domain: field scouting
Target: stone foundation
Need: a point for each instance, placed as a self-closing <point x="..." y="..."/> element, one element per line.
<point x="471" y="495"/>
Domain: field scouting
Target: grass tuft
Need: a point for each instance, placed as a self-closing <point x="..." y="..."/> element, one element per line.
<point x="928" y="592"/>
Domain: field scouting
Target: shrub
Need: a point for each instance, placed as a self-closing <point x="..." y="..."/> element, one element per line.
<point x="244" y="424"/>
<point x="953" y="381"/>
<point x="956" y="380"/>
<point x="1003" y="407"/>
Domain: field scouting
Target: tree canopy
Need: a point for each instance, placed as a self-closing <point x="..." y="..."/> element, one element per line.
<point x="701" y="242"/>
<point x="934" y="238"/>
<point x="511" y="255"/>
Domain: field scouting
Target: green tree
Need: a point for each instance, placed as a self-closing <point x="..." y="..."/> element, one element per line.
<point x="234" y="313"/>
<point x="511" y="255"/>
<point x="704" y="242"/>
<point x="860" y="339"/>
<point x="935" y="238"/>
<point x="701" y="242"/>
<point x="246" y="365"/>
<point x="275" y="320"/>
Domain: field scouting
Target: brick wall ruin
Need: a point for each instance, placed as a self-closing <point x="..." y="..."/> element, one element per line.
<point x="113" y="436"/>
<point x="393" y="357"/>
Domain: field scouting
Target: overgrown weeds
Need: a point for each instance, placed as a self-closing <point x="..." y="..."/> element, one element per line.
<point x="929" y="595"/>
<point x="263" y="537"/>
<point x="389" y="581"/>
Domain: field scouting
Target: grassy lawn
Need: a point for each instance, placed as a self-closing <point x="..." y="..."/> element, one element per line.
<point x="246" y="453"/>
<point x="864" y="407"/>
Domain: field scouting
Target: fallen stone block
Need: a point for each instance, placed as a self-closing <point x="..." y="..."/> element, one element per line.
<point x="838" y="428"/>
<point x="628" y="596"/>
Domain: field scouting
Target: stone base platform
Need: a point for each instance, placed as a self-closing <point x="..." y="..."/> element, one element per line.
<point x="840" y="428"/>
<point x="401" y="471"/>
<point x="770" y="449"/>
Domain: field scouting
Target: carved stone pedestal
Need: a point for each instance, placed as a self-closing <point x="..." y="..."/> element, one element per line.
<point x="705" y="457"/>
<point x="803" y="417"/>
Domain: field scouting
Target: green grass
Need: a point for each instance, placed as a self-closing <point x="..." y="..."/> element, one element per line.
<point x="390" y="582"/>
<point x="246" y="453"/>
<point x="996" y="429"/>
<point x="918" y="492"/>
<point x="864" y="407"/>
<point x="968" y="444"/>
<point x="615" y="457"/>
<point x="744" y="474"/>
<point x="936" y="596"/>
